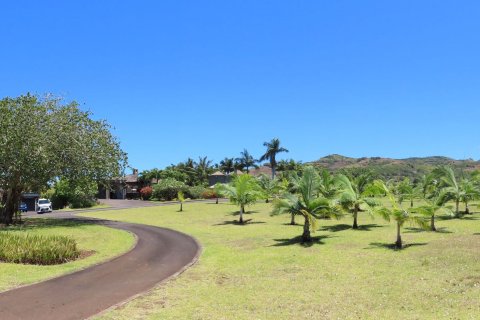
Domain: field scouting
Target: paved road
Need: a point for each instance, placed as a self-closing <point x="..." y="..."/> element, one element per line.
<point x="159" y="254"/>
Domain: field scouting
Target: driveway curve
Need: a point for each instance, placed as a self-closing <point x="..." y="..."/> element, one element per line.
<point x="158" y="255"/>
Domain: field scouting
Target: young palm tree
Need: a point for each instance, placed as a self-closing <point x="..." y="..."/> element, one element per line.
<point x="242" y="191"/>
<point x="433" y="205"/>
<point x="307" y="203"/>
<point x="273" y="148"/>
<point x="356" y="195"/>
<point x="181" y="199"/>
<point x="269" y="187"/>
<point x="454" y="190"/>
<point x="407" y="191"/>
<point x="470" y="192"/>
<point x="246" y="160"/>
<point x="397" y="213"/>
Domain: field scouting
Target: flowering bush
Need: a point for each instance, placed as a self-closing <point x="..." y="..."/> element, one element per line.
<point x="209" y="194"/>
<point x="146" y="192"/>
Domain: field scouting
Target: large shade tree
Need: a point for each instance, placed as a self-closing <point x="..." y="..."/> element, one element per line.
<point x="273" y="148"/>
<point x="43" y="139"/>
<point x="307" y="202"/>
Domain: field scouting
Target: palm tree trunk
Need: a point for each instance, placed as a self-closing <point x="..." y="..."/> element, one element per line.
<point x="467" y="210"/>
<point x="432" y="223"/>
<point x="266" y="200"/>
<point x="273" y="170"/>
<point x="241" y="213"/>
<point x="306" y="231"/>
<point x="292" y="220"/>
<point x="216" y="202"/>
<point x="181" y="206"/>
<point x="457" y="210"/>
<point x="411" y="203"/>
<point x="398" y="243"/>
<point x="355" y="215"/>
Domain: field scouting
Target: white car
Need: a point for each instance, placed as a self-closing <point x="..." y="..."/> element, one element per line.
<point x="44" y="205"/>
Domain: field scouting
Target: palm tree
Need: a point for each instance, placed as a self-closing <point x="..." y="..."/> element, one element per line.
<point x="242" y="191"/>
<point x="307" y="203"/>
<point x="246" y="160"/>
<point x="181" y="199"/>
<point x="397" y="213"/>
<point x="407" y="191"/>
<point x="328" y="186"/>
<point x="203" y="168"/>
<point x="433" y="204"/>
<point x="269" y="187"/>
<point x="453" y="190"/>
<point x="470" y="192"/>
<point x="356" y="195"/>
<point x="227" y="166"/>
<point x="273" y="148"/>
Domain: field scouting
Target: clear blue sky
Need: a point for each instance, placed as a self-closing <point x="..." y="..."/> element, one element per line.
<point x="180" y="79"/>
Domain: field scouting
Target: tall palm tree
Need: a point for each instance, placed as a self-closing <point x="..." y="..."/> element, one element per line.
<point x="397" y="213"/>
<point x="242" y="191"/>
<point x="203" y="168"/>
<point x="470" y="192"/>
<point x="273" y="148"/>
<point x="227" y="166"/>
<point x="307" y="203"/>
<point x="355" y="195"/>
<point x="246" y="160"/>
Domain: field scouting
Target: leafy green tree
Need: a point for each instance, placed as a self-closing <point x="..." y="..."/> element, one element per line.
<point x="242" y="191"/>
<point x="307" y="203"/>
<point x="397" y="213"/>
<point x="273" y="148"/>
<point x="355" y="195"/>
<point x="43" y="139"/>
<point x="203" y="168"/>
<point x="470" y="192"/>
<point x="78" y="193"/>
<point x="246" y="160"/>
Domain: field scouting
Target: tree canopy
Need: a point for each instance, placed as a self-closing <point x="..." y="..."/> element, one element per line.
<point x="43" y="139"/>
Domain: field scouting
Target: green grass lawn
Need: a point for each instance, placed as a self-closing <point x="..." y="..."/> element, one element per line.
<point x="100" y="243"/>
<point x="260" y="271"/>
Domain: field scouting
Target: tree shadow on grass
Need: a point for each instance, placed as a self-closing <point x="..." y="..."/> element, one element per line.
<point x="236" y="223"/>
<point x="343" y="227"/>
<point x="298" y="241"/>
<point x="392" y="246"/>
<point x="418" y="230"/>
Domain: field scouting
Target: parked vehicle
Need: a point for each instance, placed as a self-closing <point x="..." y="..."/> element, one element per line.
<point x="44" y="205"/>
<point x="23" y="207"/>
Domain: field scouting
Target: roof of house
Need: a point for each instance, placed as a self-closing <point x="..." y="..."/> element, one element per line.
<point x="260" y="170"/>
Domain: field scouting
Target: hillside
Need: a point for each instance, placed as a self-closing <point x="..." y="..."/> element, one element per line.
<point x="393" y="168"/>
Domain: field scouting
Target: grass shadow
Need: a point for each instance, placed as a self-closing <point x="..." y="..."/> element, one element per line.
<point x="391" y="246"/>
<point x="298" y="241"/>
<point x="418" y="230"/>
<point x="47" y="223"/>
<point x="343" y="227"/>
<point x="236" y="223"/>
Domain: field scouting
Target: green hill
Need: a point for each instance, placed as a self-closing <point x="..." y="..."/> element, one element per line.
<point x="394" y="168"/>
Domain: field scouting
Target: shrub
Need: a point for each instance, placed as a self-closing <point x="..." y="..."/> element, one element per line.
<point x="167" y="189"/>
<point x="37" y="249"/>
<point x="146" y="192"/>
<point x="209" y="194"/>
<point x="195" y="192"/>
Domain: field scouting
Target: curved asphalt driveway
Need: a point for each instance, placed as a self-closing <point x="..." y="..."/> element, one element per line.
<point x="159" y="254"/>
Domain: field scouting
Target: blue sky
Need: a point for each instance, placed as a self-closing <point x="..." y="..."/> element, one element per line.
<point x="180" y="79"/>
